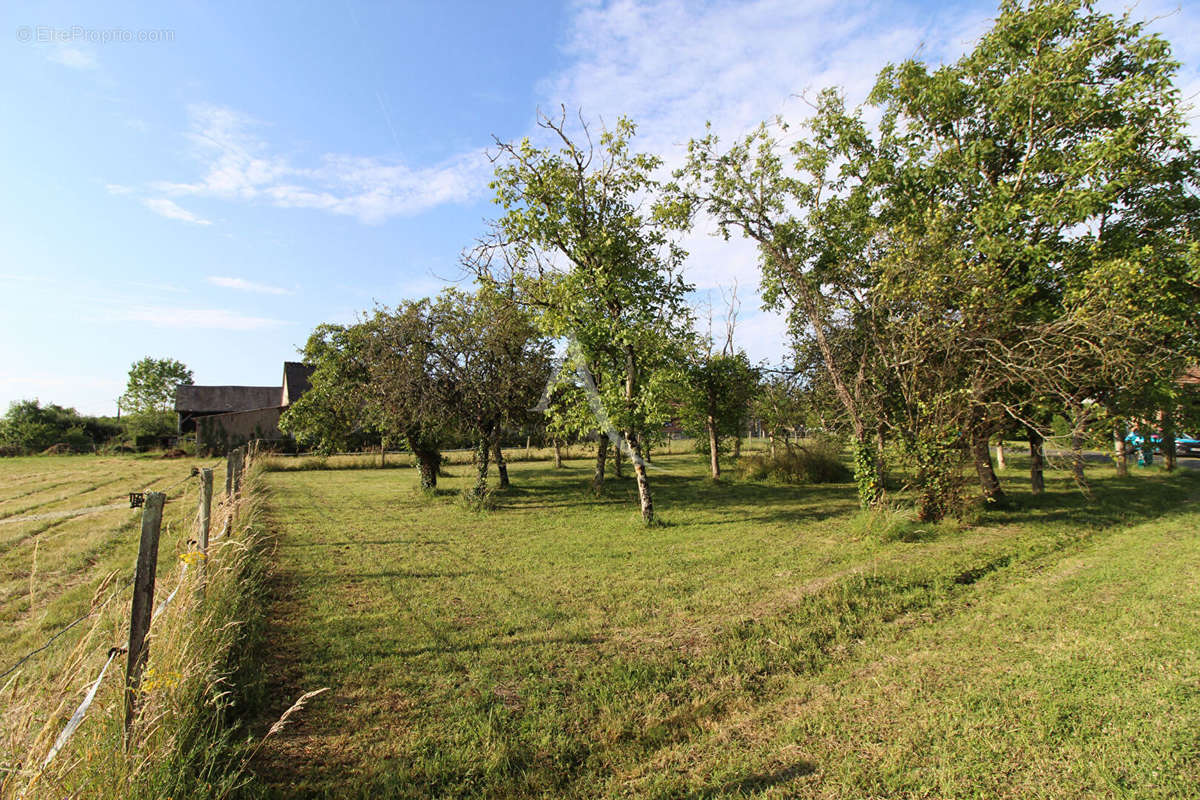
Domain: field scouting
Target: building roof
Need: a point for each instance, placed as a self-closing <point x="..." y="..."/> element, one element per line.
<point x="219" y="399"/>
<point x="295" y="380"/>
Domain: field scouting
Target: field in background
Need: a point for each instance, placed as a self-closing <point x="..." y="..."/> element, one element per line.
<point x="767" y="641"/>
<point x="55" y="568"/>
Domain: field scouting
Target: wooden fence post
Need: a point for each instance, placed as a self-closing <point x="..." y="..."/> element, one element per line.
<point x="229" y="462"/>
<point x="238" y="463"/>
<point x="143" y="602"/>
<point x="206" y="481"/>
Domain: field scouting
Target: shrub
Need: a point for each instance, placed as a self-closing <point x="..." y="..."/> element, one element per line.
<point x="816" y="461"/>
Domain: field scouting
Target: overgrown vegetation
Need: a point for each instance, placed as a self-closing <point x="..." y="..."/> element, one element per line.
<point x="810" y="461"/>
<point x="204" y="644"/>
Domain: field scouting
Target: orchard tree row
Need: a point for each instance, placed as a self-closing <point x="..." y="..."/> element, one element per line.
<point x="983" y="247"/>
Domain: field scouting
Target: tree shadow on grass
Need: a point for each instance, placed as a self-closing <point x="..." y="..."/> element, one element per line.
<point x="1115" y="501"/>
<point x="757" y="782"/>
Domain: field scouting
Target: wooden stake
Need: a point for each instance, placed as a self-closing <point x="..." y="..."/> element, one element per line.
<point x="206" y="481"/>
<point x="143" y="603"/>
<point x="230" y="459"/>
<point x="239" y="461"/>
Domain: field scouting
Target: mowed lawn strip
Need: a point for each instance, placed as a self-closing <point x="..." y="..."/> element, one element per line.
<point x="556" y="647"/>
<point x="1074" y="677"/>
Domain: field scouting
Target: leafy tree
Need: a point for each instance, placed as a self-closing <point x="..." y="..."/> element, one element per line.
<point x="720" y="387"/>
<point x="779" y="407"/>
<point x="969" y="245"/>
<point x="406" y="391"/>
<point x="809" y="210"/>
<point x="566" y="412"/>
<point x="334" y="414"/>
<point x="1038" y="194"/>
<point x="489" y="352"/>
<point x="152" y="384"/>
<point x="599" y="272"/>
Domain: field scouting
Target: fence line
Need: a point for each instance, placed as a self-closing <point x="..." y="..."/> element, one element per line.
<point x="153" y="522"/>
<point x="151" y="556"/>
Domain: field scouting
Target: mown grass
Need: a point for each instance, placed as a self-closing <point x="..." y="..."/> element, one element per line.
<point x="766" y="641"/>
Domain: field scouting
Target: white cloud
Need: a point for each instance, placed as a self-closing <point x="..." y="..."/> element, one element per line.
<point x="72" y="57"/>
<point x="168" y="208"/>
<point x="246" y="286"/>
<point x="197" y="319"/>
<point x="118" y="189"/>
<point x="239" y="166"/>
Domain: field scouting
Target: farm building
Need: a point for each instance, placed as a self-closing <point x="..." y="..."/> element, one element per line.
<point x="224" y="417"/>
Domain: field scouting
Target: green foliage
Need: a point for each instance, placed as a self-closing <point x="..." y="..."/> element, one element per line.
<point x="814" y="461"/>
<point x="152" y="383"/>
<point x="1019" y="229"/>
<point x="720" y="387"/>
<point x="333" y="414"/>
<point x="866" y="471"/>
<point x="30" y="427"/>
<point x="599" y="272"/>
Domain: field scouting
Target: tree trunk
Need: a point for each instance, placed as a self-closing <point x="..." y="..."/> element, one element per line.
<point x="868" y="471"/>
<point x="428" y="463"/>
<point x="713" y="454"/>
<point x="989" y="484"/>
<point x="880" y="460"/>
<point x="1037" y="462"/>
<point x="501" y="464"/>
<point x="771" y="439"/>
<point x="737" y="447"/>
<point x="601" y="457"/>
<point x="1120" y="456"/>
<point x="482" y="453"/>
<point x="1000" y="463"/>
<point x="1168" y="441"/>
<point x="617" y="460"/>
<point x="528" y="447"/>
<point x="557" y="454"/>
<point x="1078" y="426"/>
<point x="643" y="480"/>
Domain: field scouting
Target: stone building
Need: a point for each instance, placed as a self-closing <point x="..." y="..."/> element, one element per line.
<point x="224" y="417"/>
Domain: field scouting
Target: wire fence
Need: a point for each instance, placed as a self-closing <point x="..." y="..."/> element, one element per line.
<point x="235" y="461"/>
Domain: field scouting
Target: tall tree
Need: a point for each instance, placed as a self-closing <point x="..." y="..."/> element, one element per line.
<point x="409" y="393"/>
<point x="152" y="383"/>
<point x="975" y="232"/>
<point x="599" y="270"/>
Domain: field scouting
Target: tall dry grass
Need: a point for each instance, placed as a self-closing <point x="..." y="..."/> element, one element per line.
<point x="201" y="675"/>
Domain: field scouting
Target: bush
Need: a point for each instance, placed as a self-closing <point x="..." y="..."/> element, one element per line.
<point x="817" y="461"/>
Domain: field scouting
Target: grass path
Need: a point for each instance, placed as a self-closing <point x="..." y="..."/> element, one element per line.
<point x="763" y="643"/>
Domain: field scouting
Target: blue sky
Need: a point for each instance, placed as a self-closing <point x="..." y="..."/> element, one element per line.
<point x="209" y="181"/>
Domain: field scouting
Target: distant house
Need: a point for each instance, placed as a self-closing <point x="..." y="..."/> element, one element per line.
<point x="224" y="417"/>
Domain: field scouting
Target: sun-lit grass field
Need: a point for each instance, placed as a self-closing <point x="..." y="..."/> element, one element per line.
<point x="56" y="566"/>
<point x="767" y="641"/>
